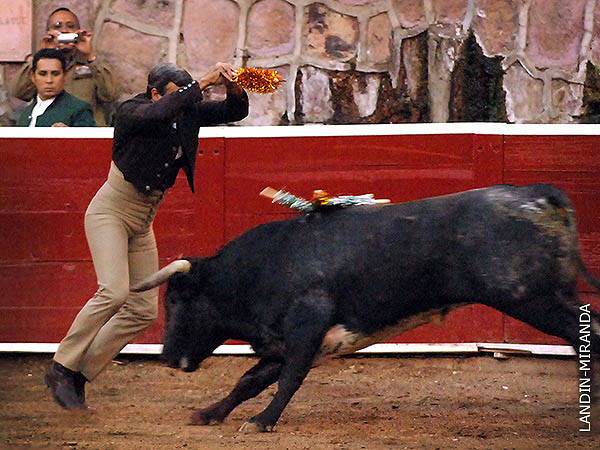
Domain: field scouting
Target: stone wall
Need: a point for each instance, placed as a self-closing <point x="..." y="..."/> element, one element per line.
<point x="362" y="61"/>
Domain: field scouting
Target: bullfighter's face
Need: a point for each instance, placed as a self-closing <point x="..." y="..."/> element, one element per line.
<point x="191" y="332"/>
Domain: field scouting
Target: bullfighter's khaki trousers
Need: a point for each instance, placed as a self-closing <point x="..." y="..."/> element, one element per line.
<point x="118" y="227"/>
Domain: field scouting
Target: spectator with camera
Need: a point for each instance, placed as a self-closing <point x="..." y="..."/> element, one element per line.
<point x="53" y="106"/>
<point x="86" y="77"/>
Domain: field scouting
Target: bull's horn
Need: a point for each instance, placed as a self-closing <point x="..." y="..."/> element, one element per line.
<point x="158" y="278"/>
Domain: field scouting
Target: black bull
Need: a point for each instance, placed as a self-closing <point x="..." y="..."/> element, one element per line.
<point x="332" y="282"/>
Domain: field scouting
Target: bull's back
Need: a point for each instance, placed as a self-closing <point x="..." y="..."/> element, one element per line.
<point x="378" y="263"/>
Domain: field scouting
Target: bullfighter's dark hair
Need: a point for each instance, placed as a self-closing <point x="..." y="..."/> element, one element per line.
<point x="49" y="53"/>
<point x="161" y="75"/>
<point x="61" y="9"/>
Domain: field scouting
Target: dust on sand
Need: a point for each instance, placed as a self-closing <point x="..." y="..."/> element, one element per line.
<point x="395" y="402"/>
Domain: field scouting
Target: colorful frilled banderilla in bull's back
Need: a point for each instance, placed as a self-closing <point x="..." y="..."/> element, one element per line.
<point x="321" y="200"/>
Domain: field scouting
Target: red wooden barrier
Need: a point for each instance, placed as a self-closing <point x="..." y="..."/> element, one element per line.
<point x="45" y="270"/>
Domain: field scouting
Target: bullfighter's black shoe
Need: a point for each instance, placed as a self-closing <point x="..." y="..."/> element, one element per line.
<point x="61" y="382"/>
<point x="80" y="381"/>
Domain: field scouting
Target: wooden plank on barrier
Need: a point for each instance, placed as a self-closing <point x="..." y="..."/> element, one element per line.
<point x="488" y="160"/>
<point x="60" y="235"/>
<point x="209" y="200"/>
<point x="552" y="153"/>
<point x="54" y="158"/>
<point x="51" y="323"/>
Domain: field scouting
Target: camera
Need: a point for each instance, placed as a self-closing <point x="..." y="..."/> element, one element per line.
<point x="67" y="38"/>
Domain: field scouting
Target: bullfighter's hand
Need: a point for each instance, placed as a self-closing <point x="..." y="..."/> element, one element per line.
<point x="222" y="73"/>
<point x="60" y="124"/>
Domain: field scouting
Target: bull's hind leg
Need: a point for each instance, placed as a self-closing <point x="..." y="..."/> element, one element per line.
<point x="305" y="326"/>
<point x="252" y="383"/>
<point x="560" y="317"/>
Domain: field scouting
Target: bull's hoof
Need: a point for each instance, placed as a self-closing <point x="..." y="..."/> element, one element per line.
<point x="254" y="427"/>
<point x="203" y="417"/>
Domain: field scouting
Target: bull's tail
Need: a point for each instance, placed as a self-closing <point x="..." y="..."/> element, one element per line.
<point x="589" y="278"/>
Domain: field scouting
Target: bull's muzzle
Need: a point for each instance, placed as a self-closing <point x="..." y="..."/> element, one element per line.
<point x="186" y="365"/>
<point x="182" y="363"/>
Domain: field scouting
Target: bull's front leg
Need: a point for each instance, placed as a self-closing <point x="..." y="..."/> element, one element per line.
<point x="305" y="326"/>
<point x="252" y="383"/>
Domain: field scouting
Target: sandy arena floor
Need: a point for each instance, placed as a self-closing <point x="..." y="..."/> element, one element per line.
<point x="352" y="403"/>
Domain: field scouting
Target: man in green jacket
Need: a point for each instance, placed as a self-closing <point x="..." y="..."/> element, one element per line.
<point x="53" y="106"/>
<point x="87" y="77"/>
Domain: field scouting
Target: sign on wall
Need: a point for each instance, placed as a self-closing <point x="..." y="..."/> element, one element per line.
<point x="15" y="30"/>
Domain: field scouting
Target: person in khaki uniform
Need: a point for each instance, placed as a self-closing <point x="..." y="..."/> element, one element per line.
<point x="87" y="77"/>
<point x="156" y="135"/>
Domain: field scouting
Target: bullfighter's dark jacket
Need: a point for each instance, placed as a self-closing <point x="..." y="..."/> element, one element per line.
<point x="148" y="135"/>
